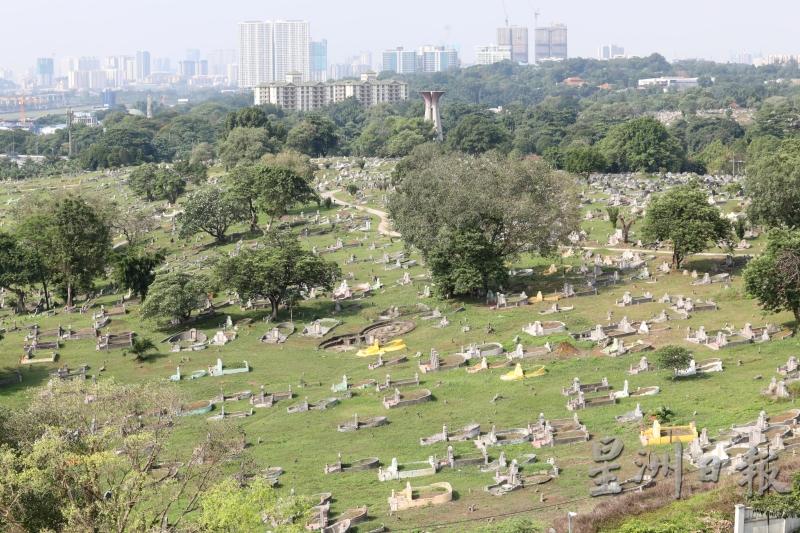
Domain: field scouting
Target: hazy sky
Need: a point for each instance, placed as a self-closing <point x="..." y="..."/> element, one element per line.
<point x="676" y="28"/>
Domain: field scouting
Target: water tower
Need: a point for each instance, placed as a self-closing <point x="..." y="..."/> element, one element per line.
<point x="432" y="110"/>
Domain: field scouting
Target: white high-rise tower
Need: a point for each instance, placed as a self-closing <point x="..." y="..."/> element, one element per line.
<point x="292" y="40"/>
<point x="256" y="53"/>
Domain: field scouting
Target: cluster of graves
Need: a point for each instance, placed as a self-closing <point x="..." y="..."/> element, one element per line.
<point x="383" y="342"/>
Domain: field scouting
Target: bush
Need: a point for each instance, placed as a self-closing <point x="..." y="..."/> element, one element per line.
<point x="664" y="414"/>
<point x="794" y="389"/>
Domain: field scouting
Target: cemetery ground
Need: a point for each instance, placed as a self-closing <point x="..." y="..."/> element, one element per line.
<point x="303" y="443"/>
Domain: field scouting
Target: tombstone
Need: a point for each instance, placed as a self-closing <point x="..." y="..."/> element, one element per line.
<point x="598" y="334"/>
<point x="703" y="439"/>
<point x="434" y="363"/>
<point x="501" y="300"/>
<point x="519" y="351"/>
<point x="701" y="335"/>
<point x="722" y="339"/>
<point x="569" y="290"/>
<point x="625" y="326"/>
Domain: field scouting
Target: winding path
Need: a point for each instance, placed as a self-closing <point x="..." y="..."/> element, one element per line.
<point x="384" y="225"/>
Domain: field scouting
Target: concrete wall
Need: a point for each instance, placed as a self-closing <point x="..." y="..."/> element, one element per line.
<point x="748" y="521"/>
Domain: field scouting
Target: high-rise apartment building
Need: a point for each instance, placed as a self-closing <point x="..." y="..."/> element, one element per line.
<point x="486" y="55"/>
<point x="551" y="43"/>
<point x="292" y="46"/>
<point x="192" y="54"/>
<point x="517" y="38"/>
<point x="437" y="59"/>
<point x="187" y="68"/>
<point x="44" y="71"/>
<point x="610" y="51"/>
<point x="162" y="65"/>
<point x="142" y="65"/>
<point x="87" y="64"/>
<point x="400" y="61"/>
<point x="319" y="60"/>
<point x="219" y="60"/>
<point x="255" y="53"/>
<point x="268" y="51"/>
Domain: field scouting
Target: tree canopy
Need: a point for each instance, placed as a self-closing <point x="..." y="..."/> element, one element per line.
<point x="477" y="133"/>
<point x="210" y="210"/>
<point x="245" y="145"/>
<point x="18" y="268"/>
<point x="642" y="145"/>
<point x="774" y="277"/>
<point x="277" y="271"/>
<point x="315" y="135"/>
<point x="173" y="296"/>
<point x="134" y="269"/>
<point x="684" y="217"/>
<point x="270" y="189"/>
<point x="496" y="206"/>
<point x="773" y="184"/>
<point x="68" y="464"/>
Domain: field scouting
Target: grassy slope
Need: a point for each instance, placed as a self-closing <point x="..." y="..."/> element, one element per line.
<point x="303" y="443"/>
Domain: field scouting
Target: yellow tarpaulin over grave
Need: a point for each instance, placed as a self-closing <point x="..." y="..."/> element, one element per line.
<point x="376" y="348"/>
<point x="518" y="374"/>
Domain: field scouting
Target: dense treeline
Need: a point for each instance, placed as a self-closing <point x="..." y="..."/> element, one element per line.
<point x="594" y="127"/>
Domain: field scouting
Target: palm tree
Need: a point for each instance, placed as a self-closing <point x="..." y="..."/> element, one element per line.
<point x="141" y="347"/>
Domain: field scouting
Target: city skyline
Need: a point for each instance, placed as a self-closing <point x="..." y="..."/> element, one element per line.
<point x="172" y="29"/>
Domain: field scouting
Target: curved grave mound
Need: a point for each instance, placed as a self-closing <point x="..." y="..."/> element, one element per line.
<point x="366" y="463"/>
<point x="544" y="328"/>
<point x="304" y="406"/>
<point x="279" y="333"/>
<point x="320" y="328"/>
<point x="357" y="423"/>
<point x="352" y="516"/>
<point x="468" y="432"/>
<point x="399" y="399"/>
<point x="191" y="339"/>
<point x="383" y="331"/>
<point x="380" y="332"/>
<point x="410" y="497"/>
